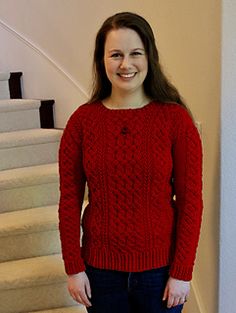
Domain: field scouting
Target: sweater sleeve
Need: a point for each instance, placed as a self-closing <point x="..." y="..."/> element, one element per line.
<point x="187" y="175"/>
<point x="72" y="188"/>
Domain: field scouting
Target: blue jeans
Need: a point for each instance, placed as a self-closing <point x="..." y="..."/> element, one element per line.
<point x="122" y="292"/>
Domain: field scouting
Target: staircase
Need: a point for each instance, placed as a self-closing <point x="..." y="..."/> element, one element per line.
<point x="32" y="277"/>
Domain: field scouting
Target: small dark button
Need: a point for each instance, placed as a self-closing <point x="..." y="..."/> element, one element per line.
<point x="124" y="130"/>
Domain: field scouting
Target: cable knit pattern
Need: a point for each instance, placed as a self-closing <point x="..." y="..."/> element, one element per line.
<point x="134" y="161"/>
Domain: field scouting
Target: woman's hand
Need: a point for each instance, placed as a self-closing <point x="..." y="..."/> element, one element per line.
<point x="79" y="288"/>
<point x="176" y="292"/>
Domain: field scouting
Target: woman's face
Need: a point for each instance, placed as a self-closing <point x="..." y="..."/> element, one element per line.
<point x="125" y="60"/>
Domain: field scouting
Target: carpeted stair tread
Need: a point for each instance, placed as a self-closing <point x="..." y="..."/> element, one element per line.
<point x="30" y="233"/>
<point x="19" y="114"/>
<point x="38" y="271"/>
<point x="28" y="176"/>
<point x="70" y="309"/>
<point x="29" y="137"/>
<point x="29" y="147"/>
<point x="11" y="105"/>
<point x="29" y="221"/>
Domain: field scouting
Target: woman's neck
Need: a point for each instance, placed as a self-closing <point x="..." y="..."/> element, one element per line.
<point x="126" y="101"/>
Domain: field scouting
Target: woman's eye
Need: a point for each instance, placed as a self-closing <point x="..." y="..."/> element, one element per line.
<point x="116" y="55"/>
<point x="135" y="53"/>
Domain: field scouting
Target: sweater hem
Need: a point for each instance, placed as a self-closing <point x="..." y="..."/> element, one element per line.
<point x="127" y="262"/>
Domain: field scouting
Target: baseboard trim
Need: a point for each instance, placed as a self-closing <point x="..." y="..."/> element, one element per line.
<point x="194" y="304"/>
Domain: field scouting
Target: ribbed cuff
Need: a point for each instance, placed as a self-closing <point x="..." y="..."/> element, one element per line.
<point x="74" y="267"/>
<point x="181" y="272"/>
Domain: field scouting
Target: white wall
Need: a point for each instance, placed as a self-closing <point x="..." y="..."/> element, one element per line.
<point x="228" y="161"/>
<point x="52" y="43"/>
<point x="42" y="79"/>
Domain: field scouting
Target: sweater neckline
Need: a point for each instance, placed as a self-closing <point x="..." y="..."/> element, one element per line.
<point x="145" y="107"/>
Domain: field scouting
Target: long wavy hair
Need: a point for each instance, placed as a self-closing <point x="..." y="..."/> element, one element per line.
<point x="156" y="85"/>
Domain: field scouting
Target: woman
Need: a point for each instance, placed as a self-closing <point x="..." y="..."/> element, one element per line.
<point x="136" y="145"/>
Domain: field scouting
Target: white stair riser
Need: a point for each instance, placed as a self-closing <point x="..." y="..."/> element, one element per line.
<point x="29" y="155"/>
<point x="31" y="245"/>
<point x="29" y="197"/>
<point x="19" y="120"/>
<point x="35" y="298"/>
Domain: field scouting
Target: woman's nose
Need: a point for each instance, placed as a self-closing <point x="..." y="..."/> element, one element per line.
<point x="125" y="62"/>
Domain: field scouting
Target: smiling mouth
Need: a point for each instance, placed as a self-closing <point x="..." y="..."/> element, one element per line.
<point x="127" y="75"/>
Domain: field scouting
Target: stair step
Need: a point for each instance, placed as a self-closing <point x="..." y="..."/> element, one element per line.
<point x="31" y="272"/>
<point x="29" y="147"/>
<point x="28" y="187"/>
<point x="13" y="105"/>
<point x="29" y="137"/>
<point x="29" y="221"/>
<point x="32" y="175"/>
<point x="19" y="114"/>
<point x="70" y="309"/>
<point x="41" y="280"/>
<point x="34" y="230"/>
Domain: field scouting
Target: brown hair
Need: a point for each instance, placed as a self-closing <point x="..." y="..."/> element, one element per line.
<point x="156" y="85"/>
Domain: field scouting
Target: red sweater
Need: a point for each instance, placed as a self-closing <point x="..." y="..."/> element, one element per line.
<point x="134" y="161"/>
